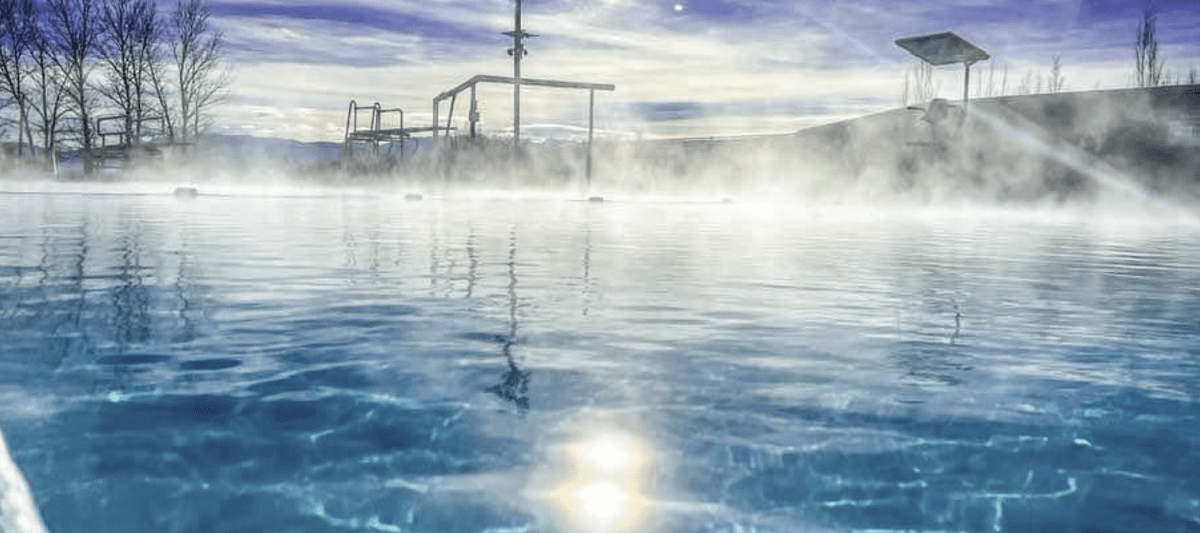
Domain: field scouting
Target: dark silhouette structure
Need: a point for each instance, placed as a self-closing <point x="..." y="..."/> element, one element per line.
<point x="383" y="127"/>
<point x="946" y="48"/>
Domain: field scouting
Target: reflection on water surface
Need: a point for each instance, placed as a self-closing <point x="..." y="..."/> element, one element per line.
<point x="369" y="364"/>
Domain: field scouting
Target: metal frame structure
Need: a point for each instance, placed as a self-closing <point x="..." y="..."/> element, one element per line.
<point x="119" y="144"/>
<point x="373" y="134"/>
<point x="473" y="114"/>
<point x="386" y="126"/>
<point x="376" y="132"/>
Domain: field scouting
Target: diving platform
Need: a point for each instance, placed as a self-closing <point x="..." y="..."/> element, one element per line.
<point x="118" y="145"/>
<point x="382" y="128"/>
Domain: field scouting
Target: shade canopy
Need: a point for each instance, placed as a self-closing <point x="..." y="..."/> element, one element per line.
<point x="943" y="49"/>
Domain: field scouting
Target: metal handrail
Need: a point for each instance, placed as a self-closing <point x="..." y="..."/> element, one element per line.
<point x="125" y="137"/>
<point x="351" y="113"/>
<point x="382" y="112"/>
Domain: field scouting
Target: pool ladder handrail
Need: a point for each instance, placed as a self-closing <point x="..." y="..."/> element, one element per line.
<point x="374" y="132"/>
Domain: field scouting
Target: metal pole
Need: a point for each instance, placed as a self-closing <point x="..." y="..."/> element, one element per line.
<point x="473" y="115"/>
<point x="591" y="120"/>
<point x="352" y="113"/>
<point x="518" y="51"/>
<point x="966" y="85"/>
<point x="435" y="117"/>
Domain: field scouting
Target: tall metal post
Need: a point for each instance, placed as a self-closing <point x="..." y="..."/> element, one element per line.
<point x="591" y="118"/>
<point x="473" y="114"/>
<point x="517" y="51"/>
<point x="966" y="85"/>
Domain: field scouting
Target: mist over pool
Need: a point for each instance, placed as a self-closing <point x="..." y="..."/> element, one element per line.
<point x="289" y="359"/>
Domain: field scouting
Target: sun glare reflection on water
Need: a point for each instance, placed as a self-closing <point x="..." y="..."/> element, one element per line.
<point x="602" y="487"/>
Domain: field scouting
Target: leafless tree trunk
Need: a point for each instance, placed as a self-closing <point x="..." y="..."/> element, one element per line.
<point x="1004" y="80"/>
<point x="130" y="34"/>
<point x="991" y="82"/>
<point x="150" y="40"/>
<point x="159" y="84"/>
<point x="978" y="86"/>
<point x="1057" y="82"/>
<point x="47" y="93"/>
<point x="1149" y="67"/>
<point x="922" y="88"/>
<point x="75" y="32"/>
<point x="18" y="31"/>
<point x="196" y="49"/>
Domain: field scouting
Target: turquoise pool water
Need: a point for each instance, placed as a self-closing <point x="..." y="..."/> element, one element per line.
<point x="300" y="362"/>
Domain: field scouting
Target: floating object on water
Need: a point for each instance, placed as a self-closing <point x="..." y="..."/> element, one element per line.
<point x="596" y="199"/>
<point x="414" y="197"/>
<point x="186" y="192"/>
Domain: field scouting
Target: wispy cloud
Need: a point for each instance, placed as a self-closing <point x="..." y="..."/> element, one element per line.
<point x="752" y="65"/>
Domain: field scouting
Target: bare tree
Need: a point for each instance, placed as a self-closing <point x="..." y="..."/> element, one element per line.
<point x="1149" y="67"/>
<point x="922" y="88"/>
<point x="151" y="35"/>
<point x="1057" y="82"/>
<point x="5" y="123"/>
<point x="159" y="82"/>
<point x="991" y="82"/>
<point x="1026" y="86"/>
<point x="1004" y="80"/>
<point x="979" y="85"/>
<point x="74" y="30"/>
<point x="196" y="49"/>
<point x="48" y="91"/>
<point x="18" y="29"/>
<point x="131" y="32"/>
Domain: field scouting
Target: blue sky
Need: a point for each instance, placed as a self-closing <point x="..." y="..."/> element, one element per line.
<point x="682" y="68"/>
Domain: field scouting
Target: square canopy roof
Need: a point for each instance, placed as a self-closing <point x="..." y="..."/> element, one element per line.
<point x="942" y="49"/>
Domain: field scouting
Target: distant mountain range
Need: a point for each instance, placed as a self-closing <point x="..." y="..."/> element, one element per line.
<point x="304" y="152"/>
<point x="272" y="148"/>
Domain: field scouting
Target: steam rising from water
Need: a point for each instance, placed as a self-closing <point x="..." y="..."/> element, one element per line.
<point x="1089" y="151"/>
<point x="1079" y="161"/>
<point x="18" y="514"/>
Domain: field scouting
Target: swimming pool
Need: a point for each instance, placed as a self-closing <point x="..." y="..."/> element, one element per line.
<point x="292" y="361"/>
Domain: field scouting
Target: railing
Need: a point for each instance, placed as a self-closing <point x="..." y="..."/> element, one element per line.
<point x="352" y="115"/>
<point x="147" y="130"/>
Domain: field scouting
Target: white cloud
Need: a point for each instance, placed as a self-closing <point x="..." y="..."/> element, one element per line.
<point x="825" y="60"/>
